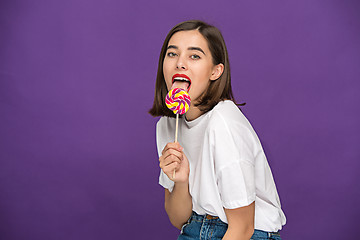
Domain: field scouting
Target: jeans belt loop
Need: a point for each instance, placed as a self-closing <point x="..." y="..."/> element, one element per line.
<point x="209" y="217"/>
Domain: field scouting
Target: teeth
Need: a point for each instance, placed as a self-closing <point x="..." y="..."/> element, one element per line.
<point x="181" y="79"/>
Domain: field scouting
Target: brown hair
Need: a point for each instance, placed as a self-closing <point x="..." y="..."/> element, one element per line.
<point x="217" y="91"/>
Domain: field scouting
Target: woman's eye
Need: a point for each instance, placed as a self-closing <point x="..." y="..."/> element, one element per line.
<point x="195" y="56"/>
<point x="171" y="54"/>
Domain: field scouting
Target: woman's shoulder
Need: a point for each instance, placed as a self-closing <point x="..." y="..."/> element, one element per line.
<point x="164" y="120"/>
<point x="227" y="112"/>
<point x="226" y="106"/>
<point x="227" y="117"/>
<point x="163" y="125"/>
<point x="228" y="124"/>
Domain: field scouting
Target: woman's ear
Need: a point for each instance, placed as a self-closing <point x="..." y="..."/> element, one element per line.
<point x="217" y="71"/>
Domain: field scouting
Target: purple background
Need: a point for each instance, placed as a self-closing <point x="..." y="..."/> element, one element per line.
<point x="78" y="157"/>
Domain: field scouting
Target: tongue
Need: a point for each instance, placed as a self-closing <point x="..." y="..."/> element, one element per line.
<point x="178" y="84"/>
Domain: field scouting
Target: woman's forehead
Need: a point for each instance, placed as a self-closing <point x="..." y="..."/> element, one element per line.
<point x="191" y="38"/>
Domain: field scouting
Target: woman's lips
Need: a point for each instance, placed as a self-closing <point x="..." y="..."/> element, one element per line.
<point x="181" y="81"/>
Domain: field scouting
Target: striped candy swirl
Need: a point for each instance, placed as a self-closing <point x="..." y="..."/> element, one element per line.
<point x="178" y="101"/>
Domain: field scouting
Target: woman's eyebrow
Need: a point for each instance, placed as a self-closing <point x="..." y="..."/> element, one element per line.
<point x="189" y="48"/>
<point x="172" y="46"/>
<point x="196" y="48"/>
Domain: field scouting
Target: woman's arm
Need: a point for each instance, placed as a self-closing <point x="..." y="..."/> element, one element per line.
<point x="178" y="203"/>
<point x="241" y="223"/>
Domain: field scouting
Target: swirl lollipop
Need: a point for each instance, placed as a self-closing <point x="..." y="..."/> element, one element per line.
<point x="178" y="101"/>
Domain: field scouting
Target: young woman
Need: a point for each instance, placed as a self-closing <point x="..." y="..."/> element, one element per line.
<point x="223" y="186"/>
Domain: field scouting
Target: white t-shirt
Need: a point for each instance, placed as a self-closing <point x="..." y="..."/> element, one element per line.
<point x="228" y="167"/>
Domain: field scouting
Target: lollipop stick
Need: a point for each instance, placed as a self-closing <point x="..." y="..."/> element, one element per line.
<point x="176" y="134"/>
<point x="177" y="126"/>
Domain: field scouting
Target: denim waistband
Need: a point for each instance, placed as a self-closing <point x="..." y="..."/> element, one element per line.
<point x="213" y="219"/>
<point x="206" y="218"/>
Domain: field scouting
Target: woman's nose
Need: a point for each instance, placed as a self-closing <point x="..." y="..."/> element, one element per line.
<point x="181" y="64"/>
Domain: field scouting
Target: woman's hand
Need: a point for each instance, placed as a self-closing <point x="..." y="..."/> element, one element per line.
<point x="174" y="158"/>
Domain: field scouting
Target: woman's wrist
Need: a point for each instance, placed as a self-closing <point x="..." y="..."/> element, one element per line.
<point x="183" y="185"/>
<point x="181" y="180"/>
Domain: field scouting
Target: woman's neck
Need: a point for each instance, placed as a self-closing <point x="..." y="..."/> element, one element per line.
<point x="193" y="113"/>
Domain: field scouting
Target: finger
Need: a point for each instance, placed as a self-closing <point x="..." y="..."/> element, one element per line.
<point x="169" y="169"/>
<point x="171" y="155"/>
<point x="174" y="152"/>
<point x="169" y="160"/>
<point x="172" y="145"/>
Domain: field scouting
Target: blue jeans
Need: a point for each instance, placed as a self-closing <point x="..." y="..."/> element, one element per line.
<point x="208" y="227"/>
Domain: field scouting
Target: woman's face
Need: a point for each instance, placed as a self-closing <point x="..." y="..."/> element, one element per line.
<point x="188" y="63"/>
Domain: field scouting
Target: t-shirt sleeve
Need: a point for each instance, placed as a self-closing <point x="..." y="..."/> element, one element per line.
<point x="234" y="149"/>
<point x="164" y="181"/>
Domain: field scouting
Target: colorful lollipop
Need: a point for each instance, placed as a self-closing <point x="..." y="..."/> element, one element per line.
<point x="178" y="101"/>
